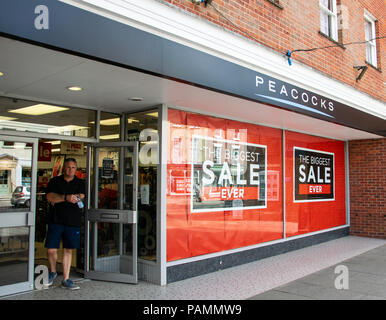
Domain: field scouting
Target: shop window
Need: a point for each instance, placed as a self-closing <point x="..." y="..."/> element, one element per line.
<point x="217" y="153"/>
<point x="40" y="118"/>
<point x="177" y="149"/>
<point x="315" y="183"/>
<point x="370" y="35"/>
<point x="224" y="192"/>
<point x="26" y="176"/>
<point x="328" y="19"/>
<point x="143" y="127"/>
<point x="14" y="244"/>
<point x="4" y="177"/>
<point x="110" y="128"/>
<point x="15" y="176"/>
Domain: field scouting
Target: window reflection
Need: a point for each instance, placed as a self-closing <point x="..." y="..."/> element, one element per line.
<point x="143" y="127"/>
<point x="14" y="244"/>
<point x="108" y="178"/>
<point x="15" y="175"/>
<point x="223" y="184"/>
<point x="31" y="116"/>
<point x="110" y="127"/>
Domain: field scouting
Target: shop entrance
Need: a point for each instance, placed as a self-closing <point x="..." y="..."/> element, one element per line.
<point x="111" y="217"/>
<point x="51" y="156"/>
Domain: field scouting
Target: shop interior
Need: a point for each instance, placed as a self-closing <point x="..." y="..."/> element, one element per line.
<point x="107" y="191"/>
<point x="80" y="124"/>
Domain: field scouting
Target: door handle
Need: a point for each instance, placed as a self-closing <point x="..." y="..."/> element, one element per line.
<point x="110" y="216"/>
<point x="129" y="217"/>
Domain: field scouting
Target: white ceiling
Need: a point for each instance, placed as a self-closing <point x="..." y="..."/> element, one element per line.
<point x="36" y="73"/>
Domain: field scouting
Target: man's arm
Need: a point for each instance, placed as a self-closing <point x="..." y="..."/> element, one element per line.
<point x="73" y="198"/>
<point x="54" y="198"/>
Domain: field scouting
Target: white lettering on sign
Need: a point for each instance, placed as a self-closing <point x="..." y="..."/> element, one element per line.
<point x="304" y="96"/>
<point x="313" y="175"/>
<point x="234" y="193"/>
<point x="315" y="189"/>
<point x="227" y="174"/>
<point x="226" y="177"/>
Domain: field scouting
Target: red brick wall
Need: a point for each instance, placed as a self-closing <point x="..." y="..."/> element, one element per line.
<point x="297" y="26"/>
<point x="367" y="165"/>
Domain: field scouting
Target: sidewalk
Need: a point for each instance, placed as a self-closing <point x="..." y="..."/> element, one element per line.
<point x="367" y="281"/>
<point x="302" y="274"/>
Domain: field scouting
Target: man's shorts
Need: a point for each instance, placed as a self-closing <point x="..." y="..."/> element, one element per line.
<point x="69" y="235"/>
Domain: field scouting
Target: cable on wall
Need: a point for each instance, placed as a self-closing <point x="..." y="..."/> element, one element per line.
<point x="238" y="28"/>
<point x="205" y="2"/>
<point x="289" y="52"/>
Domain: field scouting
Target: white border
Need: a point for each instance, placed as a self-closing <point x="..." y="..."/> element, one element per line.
<point x="293" y="163"/>
<point x="233" y="208"/>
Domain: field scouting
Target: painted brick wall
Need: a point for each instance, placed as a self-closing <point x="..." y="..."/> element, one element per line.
<point x="297" y="26"/>
<point x="368" y="188"/>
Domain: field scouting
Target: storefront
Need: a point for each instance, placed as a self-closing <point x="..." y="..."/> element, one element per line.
<point x="190" y="167"/>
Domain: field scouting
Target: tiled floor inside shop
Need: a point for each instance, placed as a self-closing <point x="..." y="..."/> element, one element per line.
<point x="269" y="278"/>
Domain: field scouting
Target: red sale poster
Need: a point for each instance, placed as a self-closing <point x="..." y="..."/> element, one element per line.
<point x="224" y="187"/>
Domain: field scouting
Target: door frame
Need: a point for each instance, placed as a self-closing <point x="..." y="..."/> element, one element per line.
<point x="23" y="219"/>
<point x="95" y="215"/>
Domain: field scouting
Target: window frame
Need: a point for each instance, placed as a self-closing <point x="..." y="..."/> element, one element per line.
<point x="332" y="21"/>
<point x="373" y="59"/>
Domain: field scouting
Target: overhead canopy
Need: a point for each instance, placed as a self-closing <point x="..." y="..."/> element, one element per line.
<point x="114" y="62"/>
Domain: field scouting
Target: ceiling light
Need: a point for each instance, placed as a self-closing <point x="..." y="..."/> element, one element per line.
<point x="6" y="118"/>
<point x="54" y="142"/>
<point x="55" y="150"/>
<point x="19" y="145"/>
<point x="136" y="99"/>
<point x="109" y="137"/>
<point x="74" y="88"/>
<point x="63" y="129"/>
<point x="38" y="109"/>
<point x="130" y="120"/>
<point x="153" y="114"/>
<point x="109" y="122"/>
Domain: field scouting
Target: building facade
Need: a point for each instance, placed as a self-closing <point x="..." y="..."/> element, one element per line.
<point x="210" y="133"/>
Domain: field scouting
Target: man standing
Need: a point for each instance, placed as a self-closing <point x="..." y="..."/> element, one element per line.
<point x="64" y="194"/>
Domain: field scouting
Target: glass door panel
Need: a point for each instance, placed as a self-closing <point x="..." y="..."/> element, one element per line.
<point x="111" y="239"/>
<point x="112" y="250"/>
<point x="14" y="255"/>
<point x="108" y="178"/>
<point x="18" y="159"/>
<point x="128" y="179"/>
